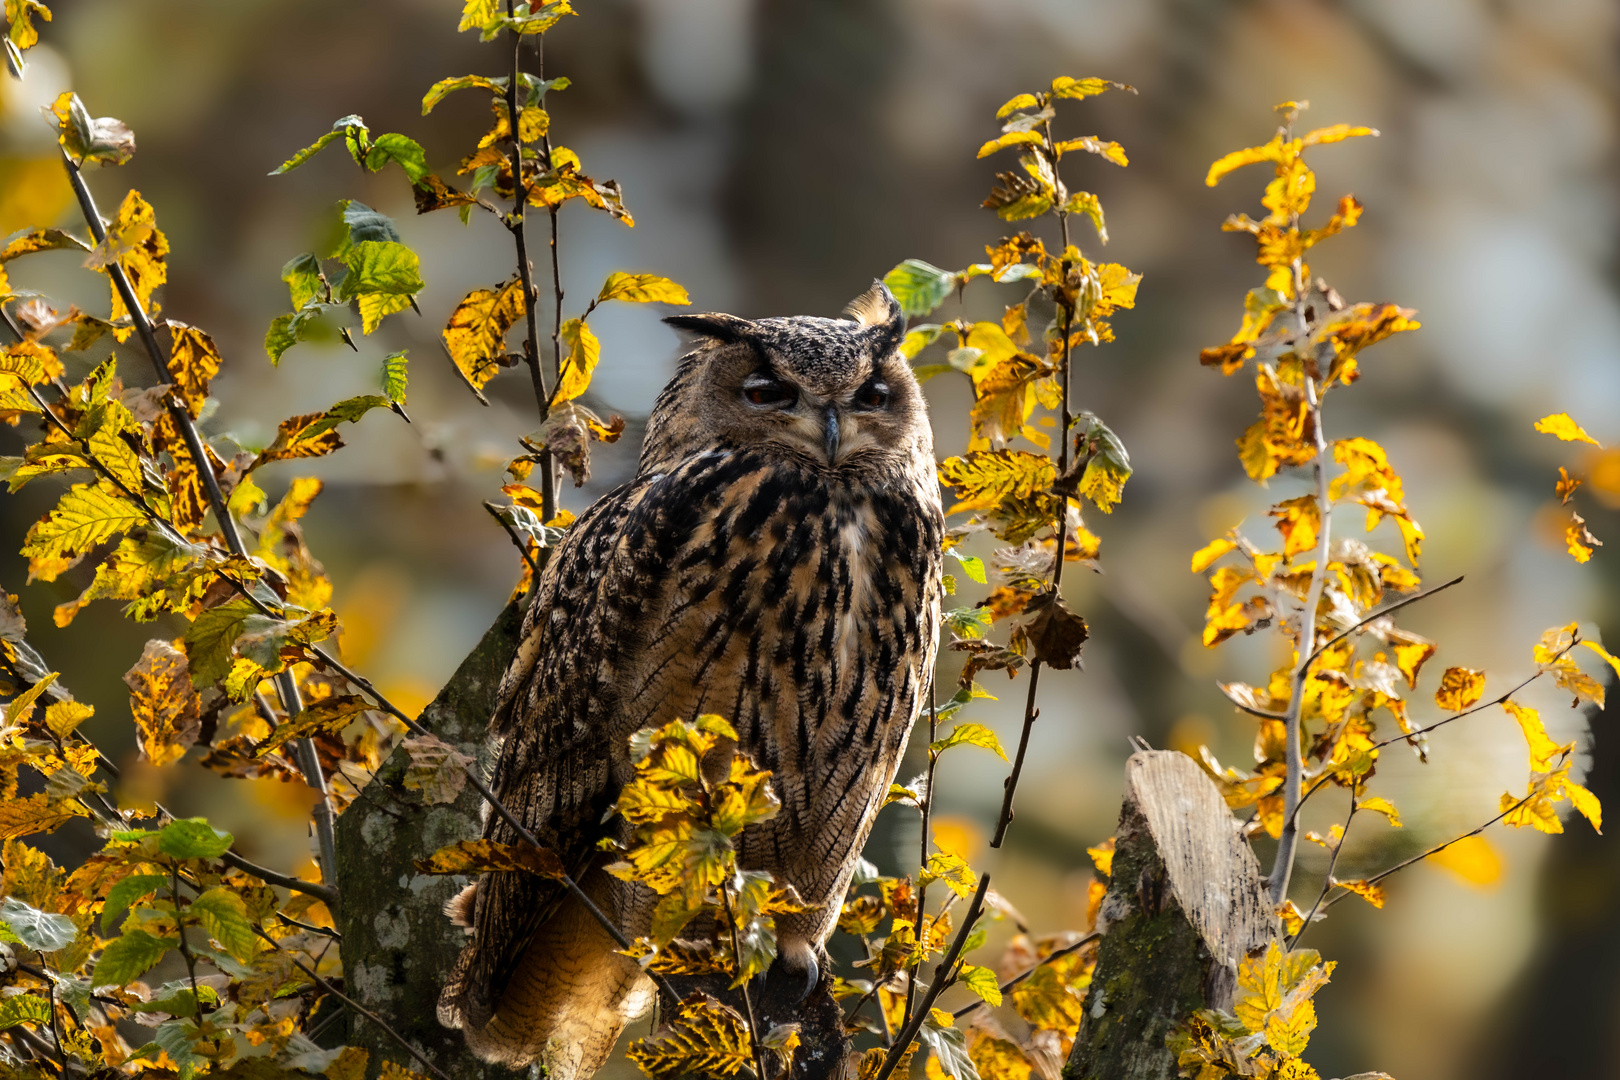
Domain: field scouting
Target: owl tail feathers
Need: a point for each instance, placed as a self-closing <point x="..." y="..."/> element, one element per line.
<point x="564" y="1006"/>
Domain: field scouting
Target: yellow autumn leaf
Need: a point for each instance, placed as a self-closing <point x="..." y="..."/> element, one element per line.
<point x="983" y="478"/>
<point x="1561" y="426"/>
<point x="1542" y="748"/>
<point x="1372" y="892"/>
<point x="1020" y="101"/>
<point x="1109" y="151"/>
<point x="1460" y="687"/>
<point x="36" y="814"/>
<point x="1378" y="805"/>
<point x="1472" y="859"/>
<point x="584" y="351"/>
<point x="703" y="1038"/>
<point x="1206" y="555"/>
<point x="1271" y="151"/>
<point x="1579" y="539"/>
<point x="475" y="336"/>
<point x="1011" y="138"/>
<point x="164" y="702"/>
<point x="193" y="361"/>
<point x="1299" y="520"/>
<point x="1336" y="133"/>
<point x="642" y="289"/>
<point x="1102" y="856"/>
<point x="1612" y="661"/>
<point x="135" y="242"/>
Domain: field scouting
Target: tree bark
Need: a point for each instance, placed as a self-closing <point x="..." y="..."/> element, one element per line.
<point x="397" y="943"/>
<point x="1186" y="902"/>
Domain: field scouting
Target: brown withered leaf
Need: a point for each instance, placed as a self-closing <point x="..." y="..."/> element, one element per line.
<point x="434" y="194"/>
<point x="437" y="769"/>
<point x="165" y="704"/>
<point x="1055" y="633"/>
<point x="475" y="336"/>
<point x="1460" y="687"/>
<point x="193" y="361"/>
<point x="985" y="656"/>
<point x="479" y="856"/>
<point x="331" y="714"/>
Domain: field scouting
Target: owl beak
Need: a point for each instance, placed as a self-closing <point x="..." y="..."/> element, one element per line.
<point x="832" y="433"/>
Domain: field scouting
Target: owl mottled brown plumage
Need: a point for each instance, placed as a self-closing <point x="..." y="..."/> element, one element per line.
<point x="776" y="560"/>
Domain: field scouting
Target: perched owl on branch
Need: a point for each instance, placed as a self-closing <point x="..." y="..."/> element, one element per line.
<point x="776" y="560"/>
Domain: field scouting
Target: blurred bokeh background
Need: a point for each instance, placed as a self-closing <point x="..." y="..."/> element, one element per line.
<point x="778" y="156"/>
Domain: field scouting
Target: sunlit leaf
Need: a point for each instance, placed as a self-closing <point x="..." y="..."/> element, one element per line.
<point x="129" y="957"/>
<point x="85" y="516"/>
<point x="351" y="127"/>
<point x="584" y="351"/>
<point x="36" y="929"/>
<point x="223" y="916"/>
<point x="480" y="856"/>
<point x="100" y="139"/>
<point x="383" y="277"/>
<point x="1066" y="87"/>
<point x="1459" y="688"/>
<point x="36" y="814"/>
<point x="475" y="337"/>
<point x="919" y="287"/>
<point x="1562" y="427"/>
<point x="642" y="289"/>
<point x="1011" y="138"/>
<point x="398" y="148"/>
<point x="970" y="735"/>
<point x="702" y="1038"/>
<point x="165" y="705"/>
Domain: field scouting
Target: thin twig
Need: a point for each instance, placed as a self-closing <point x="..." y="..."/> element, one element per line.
<point x="941" y="978"/>
<point x="1333" y="864"/>
<point x="521" y="544"/>
<point x="1287" y="843"/>
<point x="926" y="807"/>
<point x="1006" y="987"/>
<point x="748" y="999"/>
<point x="355" y="1005"/>
<point x="1010" y="785"/>
<point x="1381" y="612"/>
<point x="514" y="224"/>
<point x="183" y="421"/>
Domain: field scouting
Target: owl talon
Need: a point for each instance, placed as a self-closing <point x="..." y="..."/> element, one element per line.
<point x="812" y="975"/>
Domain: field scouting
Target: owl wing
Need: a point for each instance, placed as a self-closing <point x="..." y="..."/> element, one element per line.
<point x="566" y="754"/>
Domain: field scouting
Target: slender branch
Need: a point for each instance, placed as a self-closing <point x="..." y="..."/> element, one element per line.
<point x="1006" y="987"/>
<point x="1415" y="732"/>
<point x="1288" y="842"/>
<point x="1333" y="864"/>
<point x="187" y="427"/>
<point x="1381" y="612"/>
<point x="748" y="999"/>
<point x="185" y="950"/>
<point x="941" y="977"/>
<point x="515" y="225"/>
<point x="926" y="807"/>
<point x="1010" y="785"/>
<point x="355" y="1005"/>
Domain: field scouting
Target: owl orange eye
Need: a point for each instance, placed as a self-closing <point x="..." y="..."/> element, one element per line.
<point x="874" y="395"/>
<point x="762" y="390"/>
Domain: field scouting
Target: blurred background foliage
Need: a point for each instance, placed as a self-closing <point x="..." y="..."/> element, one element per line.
<point x="778" y="155"/>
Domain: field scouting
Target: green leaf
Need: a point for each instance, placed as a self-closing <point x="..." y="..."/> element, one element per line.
<point x="224" y="916"/>
<point x="125" y="893"/>
<point x="193" y="838"/>
<point x="350" y="409"/>
<point x="919" y="287"/>
<point x="383" y="277"/>
<point x="24" y="1008"/>
<point x="982" y="981"/>
<point x="445" y="87"/>
<point x="175" y="998"/>
<point x="129" y="957"/>
<point x="971" y="735"/>
<point x="209" y="639"/>
<point x="919" y="338"/>
<point x="351" y="126"/>
<point x="36" y="929"/>
<point x="303" y="278"/>
<point x="399" y="148"/>
<point x="394" y="377"/>
<point x="85" y="516"/>
<point x="972" y="565"/>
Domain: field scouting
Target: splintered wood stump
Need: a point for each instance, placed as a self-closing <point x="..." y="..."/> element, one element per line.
<point x="398" y="946"/>
<point x="1186" y="902"/>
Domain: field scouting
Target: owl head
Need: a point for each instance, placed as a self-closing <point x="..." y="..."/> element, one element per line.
<point x="828" y="393"/>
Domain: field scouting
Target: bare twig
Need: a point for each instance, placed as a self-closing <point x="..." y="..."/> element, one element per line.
<point x="941" y="978"/>
<point x="521" y="544"/>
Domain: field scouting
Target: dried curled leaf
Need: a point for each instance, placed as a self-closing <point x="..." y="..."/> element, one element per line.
<point x="165" y="705"/>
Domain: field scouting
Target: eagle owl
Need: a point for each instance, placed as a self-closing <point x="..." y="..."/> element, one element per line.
<point x="776" y="560"/>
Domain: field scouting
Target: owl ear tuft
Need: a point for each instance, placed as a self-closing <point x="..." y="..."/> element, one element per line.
<point x="721" y="327"/>
<point x="877" y="311"/>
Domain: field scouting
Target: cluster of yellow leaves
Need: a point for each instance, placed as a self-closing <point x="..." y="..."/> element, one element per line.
<point x="1578" y="539"/>
<point x="1270" y="1024"/>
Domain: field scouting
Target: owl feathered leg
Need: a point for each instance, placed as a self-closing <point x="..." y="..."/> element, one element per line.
<point x="563" y="1003"/>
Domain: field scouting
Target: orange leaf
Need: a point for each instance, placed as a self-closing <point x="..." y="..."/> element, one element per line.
<point x="1460" y="687"/>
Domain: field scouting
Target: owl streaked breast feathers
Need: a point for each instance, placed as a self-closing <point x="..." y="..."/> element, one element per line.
<point x="776" y="560"/>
